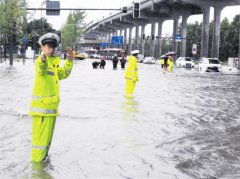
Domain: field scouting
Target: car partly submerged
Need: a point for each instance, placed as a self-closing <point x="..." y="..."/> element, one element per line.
<point x="209" y="65"/>
<point x="185" y="62"/>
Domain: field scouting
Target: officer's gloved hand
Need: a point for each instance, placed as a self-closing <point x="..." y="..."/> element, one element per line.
<point x="43" y="58"/>
<point x="69" y="54"/>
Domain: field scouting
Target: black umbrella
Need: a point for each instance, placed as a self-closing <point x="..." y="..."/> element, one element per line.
<point x="171" y="54"/>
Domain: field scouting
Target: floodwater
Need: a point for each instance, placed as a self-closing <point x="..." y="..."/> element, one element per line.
<point x="180" y="125"/>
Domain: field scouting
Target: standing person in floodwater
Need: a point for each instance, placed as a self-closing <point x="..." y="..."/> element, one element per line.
<point x="131" y="74"/>
<point x="123" y="62"/>
<point x="45" y="98"/>
<point x="115" y="61"/>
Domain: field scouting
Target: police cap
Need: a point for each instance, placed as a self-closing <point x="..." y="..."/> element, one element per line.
<point x="49" y="38"/>
<point x="135" y="52"/>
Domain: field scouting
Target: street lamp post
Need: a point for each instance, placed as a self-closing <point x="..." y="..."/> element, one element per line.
<point x="41" y="14"/>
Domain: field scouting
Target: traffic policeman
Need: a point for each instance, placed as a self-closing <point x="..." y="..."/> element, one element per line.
<point x="45" y="98"/>
<point x="131" y="74"/>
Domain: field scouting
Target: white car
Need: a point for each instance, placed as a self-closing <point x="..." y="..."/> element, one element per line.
<point x="149" y="60"/>
<point x="209" y="65"/>
<point x="140" y="58"/>
<point x="185" y="62"/>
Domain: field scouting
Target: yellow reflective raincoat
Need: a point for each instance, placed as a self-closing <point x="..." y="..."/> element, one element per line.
<point x="44" y="103"/>
<point x="170" y="65"/>
<point x="131" y="75"/>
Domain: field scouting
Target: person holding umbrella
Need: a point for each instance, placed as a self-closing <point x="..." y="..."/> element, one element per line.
<point x="168" y="62"/>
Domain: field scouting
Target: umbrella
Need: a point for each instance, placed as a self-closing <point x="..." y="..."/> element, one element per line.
<point x="171" y="54"/>
<point x="162" y="56"/>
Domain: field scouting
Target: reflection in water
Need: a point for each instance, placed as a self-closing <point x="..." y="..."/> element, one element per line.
<point x="41" y="170"/>
<point x="131" y="105"/>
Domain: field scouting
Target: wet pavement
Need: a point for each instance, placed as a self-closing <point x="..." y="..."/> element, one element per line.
<point x="181" y="125"/>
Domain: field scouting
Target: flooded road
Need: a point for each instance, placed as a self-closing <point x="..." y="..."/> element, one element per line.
<point x="182" y="125"/>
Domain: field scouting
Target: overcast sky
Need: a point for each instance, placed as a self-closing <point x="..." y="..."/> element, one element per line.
<point x="58" y="21"/>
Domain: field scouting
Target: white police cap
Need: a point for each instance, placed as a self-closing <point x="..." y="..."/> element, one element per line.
<point x="49" y="38"/>
<point x="135" y="52"/>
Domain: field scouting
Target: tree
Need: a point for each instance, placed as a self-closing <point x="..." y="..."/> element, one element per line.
<point x="32" y="31"/>
<point x="73" y="29"/>
<point x="234" y="36"/>
<point x="12" y="15"/>
<point x="225" y="42"/>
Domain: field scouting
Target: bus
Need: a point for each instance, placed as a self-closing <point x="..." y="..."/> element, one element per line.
<point x="108" y="53"/>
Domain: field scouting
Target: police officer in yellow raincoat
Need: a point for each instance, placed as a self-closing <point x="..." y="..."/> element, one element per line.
<point x="45" y="98"/>
<point x="170" y="64"/>
<point x="131" y="74"/>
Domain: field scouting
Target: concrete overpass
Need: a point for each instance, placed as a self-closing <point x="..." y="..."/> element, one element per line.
<point x="158" y="11"/>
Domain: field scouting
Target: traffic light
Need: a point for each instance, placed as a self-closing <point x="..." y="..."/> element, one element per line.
<point x="136" y="10"/>
<point x="143" y="36"/>
<point x="53" y="8"/>
<point x="124" y="9"/>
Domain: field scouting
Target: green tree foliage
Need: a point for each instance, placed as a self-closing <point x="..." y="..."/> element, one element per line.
<point x="12" y="15"/>
<point x="72" y="30"/>
<point x="34" y="27"/>
<point x="225" y="42"/>
<point x="32" y="31"/>
<point x="233" y="37"/>
<point x="166" y="45"/>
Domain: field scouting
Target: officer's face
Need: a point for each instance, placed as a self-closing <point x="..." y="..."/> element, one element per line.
<point x="48" y="49"/>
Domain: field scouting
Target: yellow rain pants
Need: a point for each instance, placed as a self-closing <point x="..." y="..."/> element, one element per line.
<point x="42" y="127"/>
<point x="130" y="86"/>
<point x="170" y="65"/>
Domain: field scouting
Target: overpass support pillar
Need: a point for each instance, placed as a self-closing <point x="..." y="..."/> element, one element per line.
<point x="205" y="32"/>
<point x="130" y="40"/>
<point x="143" y="39"/>
<point x="159" y="40"/>
<point x="136" y="37"/>
<point x="152" y="50"/>
<point x="184" y="35"/>
<point x="121" y="32"/>
<point x="175" y="30"/>
<point x="125" y="40"/>
<point x="216" y="32"/>
<point x="109" y="39"/>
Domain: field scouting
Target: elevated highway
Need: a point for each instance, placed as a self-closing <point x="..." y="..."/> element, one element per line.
<point x="158" y="11"/>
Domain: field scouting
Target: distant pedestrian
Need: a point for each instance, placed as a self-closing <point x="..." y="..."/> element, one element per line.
<point x="165" y="64"/>
<point x="123" y="62"/>
<point x="102" y="63"/>
<point x="95" y="64"/>
<point x="45" y="98"/>
<point x="115" y="61"/>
